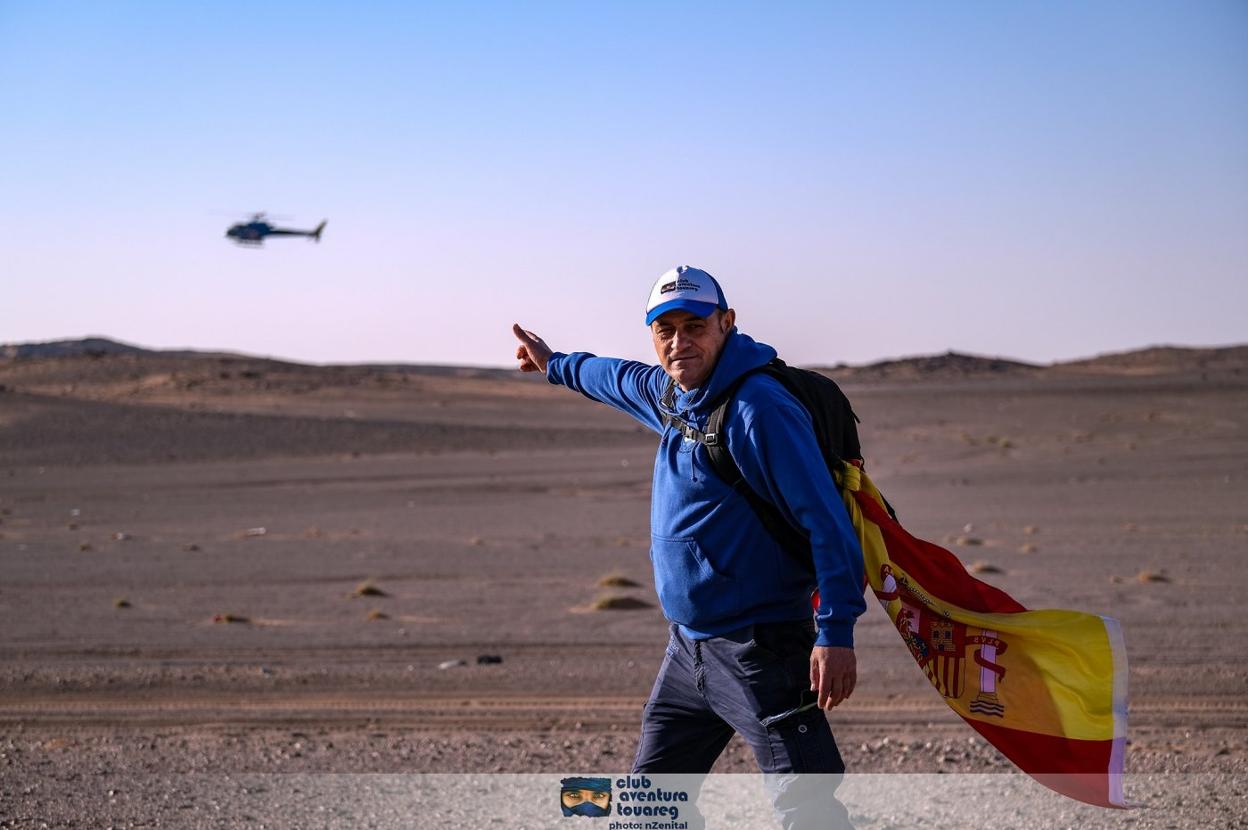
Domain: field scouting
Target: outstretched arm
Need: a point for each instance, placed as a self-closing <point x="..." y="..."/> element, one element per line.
<point x="627" y="385"/>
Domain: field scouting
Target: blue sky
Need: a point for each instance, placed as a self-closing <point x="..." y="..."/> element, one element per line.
<point x="1035" y="180"/>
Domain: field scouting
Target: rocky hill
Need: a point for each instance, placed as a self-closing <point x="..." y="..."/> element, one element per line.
<point x="946" y="366"/>
<point x="102" y="368"/>
<point x="89" y="346"/>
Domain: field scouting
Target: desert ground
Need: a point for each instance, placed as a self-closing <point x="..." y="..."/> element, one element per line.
<point x="240" y="592"/>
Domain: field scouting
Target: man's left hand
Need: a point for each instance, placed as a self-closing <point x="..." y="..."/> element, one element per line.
<point x="833" y="674"/>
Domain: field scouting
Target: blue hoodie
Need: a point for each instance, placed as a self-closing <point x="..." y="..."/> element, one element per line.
<point x="716" y="567"/>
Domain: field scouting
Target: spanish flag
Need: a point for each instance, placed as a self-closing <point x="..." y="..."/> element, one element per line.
<point x="1046" y="688"/>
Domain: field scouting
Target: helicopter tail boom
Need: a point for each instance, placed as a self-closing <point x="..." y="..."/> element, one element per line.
<point x="316" y="234"/>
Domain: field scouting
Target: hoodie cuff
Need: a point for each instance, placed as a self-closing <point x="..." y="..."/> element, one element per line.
<point x="836" y="634"/>
<point x="552" y="369"/>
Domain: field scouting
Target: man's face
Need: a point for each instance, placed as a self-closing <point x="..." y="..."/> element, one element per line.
<point x="689" y="345"/>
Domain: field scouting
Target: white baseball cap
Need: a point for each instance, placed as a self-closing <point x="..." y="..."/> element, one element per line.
<point x="688" y="289"/>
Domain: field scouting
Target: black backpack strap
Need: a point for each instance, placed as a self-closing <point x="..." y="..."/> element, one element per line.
<point x="790" y="538"/>
<point x="668" y="400"/>
<point x="715" y="439"/>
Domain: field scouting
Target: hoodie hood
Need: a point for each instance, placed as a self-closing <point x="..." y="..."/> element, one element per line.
<point x="741" y="354"/>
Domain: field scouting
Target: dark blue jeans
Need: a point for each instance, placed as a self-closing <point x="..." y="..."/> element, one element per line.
<point x="708" y="689"/>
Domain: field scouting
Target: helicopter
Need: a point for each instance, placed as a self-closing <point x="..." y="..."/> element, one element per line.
<point x="253" y="231"/>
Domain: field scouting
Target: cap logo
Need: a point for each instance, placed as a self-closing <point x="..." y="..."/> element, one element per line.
<point x="680" y="284"/>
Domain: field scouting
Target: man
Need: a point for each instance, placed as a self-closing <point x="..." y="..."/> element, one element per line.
<point x="744" y="655"/>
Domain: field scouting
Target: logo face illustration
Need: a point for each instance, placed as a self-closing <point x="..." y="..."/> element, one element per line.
<point x="585" y="796"/>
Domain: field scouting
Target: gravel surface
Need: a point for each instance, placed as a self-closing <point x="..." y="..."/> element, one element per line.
<point x="474" y="800"/>
<point x="384" y="775"/>
<point x="132" y="499"/>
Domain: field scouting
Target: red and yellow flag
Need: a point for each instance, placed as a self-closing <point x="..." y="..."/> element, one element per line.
<point x="1047" y="688"/>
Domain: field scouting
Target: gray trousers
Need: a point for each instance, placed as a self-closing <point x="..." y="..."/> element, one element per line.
<point x="708" y="689"/>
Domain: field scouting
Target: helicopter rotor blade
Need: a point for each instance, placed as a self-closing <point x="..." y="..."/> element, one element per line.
<point x="252" y="215"/>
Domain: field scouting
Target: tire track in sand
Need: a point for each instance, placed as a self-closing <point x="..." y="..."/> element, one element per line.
<point x="512" y="712"/>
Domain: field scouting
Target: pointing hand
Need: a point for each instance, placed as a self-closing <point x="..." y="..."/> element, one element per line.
<point x="532" y="351"/>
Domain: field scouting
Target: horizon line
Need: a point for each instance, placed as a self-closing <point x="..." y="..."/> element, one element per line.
<point x="503" y="366"/>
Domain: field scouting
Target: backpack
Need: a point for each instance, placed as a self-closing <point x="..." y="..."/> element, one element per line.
<point x="835" y="427"/>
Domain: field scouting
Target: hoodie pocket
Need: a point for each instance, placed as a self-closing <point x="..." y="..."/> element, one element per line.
<point x="692" y="592"/>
